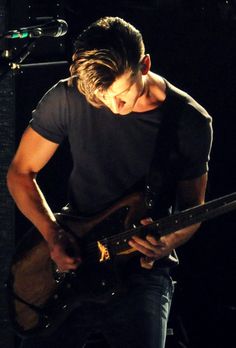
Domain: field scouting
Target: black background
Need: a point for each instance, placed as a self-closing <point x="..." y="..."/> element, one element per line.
<point x="192" y="44"/>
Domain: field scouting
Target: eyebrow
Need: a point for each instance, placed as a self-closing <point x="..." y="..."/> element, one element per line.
<point x="126" y="88"/>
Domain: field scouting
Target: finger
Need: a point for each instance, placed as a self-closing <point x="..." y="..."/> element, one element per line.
<point x="146" y="221"/>
<point x="66" y="263"/>
<point x="141" y="248"/>
<point x="66" y="267"/>
<point x="59" y="254"/>
<point x="154" y="241"/>
<point x="73" y="262"/>
<point x="73" y="259"/>
<point x="69" y="260"/>
<point x="143" y="242"/>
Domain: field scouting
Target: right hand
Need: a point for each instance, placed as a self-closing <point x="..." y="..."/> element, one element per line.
<point x="64" y="250"/>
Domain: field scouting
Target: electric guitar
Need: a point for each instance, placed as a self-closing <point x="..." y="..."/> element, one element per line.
<point x="40" y="297"/>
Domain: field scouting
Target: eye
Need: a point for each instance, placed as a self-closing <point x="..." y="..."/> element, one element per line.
<point x="125" y="92"/>
<point x="100" y="94"/>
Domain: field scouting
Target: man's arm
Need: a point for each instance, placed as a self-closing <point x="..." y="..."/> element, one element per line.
<point x="32" y="155"/>
<point x="189" y="194"/>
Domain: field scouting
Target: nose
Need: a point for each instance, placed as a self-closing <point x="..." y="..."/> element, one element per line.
<point x="117" y="104"/>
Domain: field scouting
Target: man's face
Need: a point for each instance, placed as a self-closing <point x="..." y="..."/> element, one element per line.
<point x="123" y="94"/>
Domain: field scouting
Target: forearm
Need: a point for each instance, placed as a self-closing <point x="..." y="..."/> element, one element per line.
<point x="31" y="202"/>
<point x="158" y="248"/>
<point x="180" y="237"/>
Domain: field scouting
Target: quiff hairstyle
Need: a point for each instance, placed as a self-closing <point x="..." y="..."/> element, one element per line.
<point x="103" y="52"/>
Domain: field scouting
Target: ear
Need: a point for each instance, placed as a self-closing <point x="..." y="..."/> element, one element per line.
<point x="145" y="64"/>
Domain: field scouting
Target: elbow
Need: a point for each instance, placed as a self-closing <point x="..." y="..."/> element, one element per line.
<point x="11" y="178"/>
<point x="16" y="177"/>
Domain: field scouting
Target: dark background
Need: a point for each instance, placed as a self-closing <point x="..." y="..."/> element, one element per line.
<point x="192" y="44"/>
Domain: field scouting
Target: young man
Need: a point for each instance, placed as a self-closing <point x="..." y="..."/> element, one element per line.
<point x="112" y="109"/>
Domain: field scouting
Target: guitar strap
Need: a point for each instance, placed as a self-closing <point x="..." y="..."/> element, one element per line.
<point x="162" y="176"/>
<point x="166" y="162"/>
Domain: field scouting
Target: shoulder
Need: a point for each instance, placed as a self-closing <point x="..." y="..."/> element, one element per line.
<point x="192" y="114"/>
<point x="193" y="134"/>
<point x="61" y="89"/>
<point x="63" y="97"/>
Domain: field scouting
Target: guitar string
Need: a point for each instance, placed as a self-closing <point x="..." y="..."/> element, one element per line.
<point x="163" y="223"/>
<point x="126" y="234"/>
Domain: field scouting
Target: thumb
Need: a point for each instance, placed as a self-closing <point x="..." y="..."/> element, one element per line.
<point x="146" y="221"/>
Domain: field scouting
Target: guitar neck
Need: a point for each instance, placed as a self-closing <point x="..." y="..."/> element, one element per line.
<point x="177" y="221"/>
<point x="196" y="214"/>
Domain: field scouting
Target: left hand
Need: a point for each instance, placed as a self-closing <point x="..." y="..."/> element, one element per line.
<point x="152" y="248"/>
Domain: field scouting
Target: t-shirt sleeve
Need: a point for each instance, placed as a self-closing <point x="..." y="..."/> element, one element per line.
<point x="50" y="117"/>
<point x="195" y="139"/>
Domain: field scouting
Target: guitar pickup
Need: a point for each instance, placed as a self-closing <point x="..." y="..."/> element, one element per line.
<point x="104" y="252"/>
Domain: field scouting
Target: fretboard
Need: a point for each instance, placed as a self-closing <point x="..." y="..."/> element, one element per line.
<point x="176" y="221"/>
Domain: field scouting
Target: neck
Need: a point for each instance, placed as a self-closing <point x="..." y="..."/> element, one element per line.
<point x="153" y="93"/>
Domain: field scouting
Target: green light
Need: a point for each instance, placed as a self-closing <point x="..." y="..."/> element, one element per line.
<point x="22" y="36"/>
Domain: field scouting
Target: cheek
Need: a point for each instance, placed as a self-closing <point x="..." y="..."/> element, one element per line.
<point x="131" y="97"/>
<point x="105" y="102"/>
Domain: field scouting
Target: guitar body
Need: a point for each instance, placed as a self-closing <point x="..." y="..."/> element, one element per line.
<point x="40" y="297"/>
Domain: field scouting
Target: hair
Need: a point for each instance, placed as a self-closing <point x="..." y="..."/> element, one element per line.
<point x="104" y="51"/>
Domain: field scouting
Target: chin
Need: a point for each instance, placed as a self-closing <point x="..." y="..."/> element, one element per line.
<point x="125" y="112"/>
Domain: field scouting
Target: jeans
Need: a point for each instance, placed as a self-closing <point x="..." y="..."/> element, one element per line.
<point x="135" y="320"/>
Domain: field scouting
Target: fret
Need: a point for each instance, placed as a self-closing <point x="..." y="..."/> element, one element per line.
<point x="118" y="243"/>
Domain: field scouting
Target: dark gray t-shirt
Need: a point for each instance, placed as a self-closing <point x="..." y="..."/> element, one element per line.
<point x="111" y="153"/>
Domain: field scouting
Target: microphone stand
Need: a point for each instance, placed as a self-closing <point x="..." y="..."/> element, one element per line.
<point x="14" y="64"/>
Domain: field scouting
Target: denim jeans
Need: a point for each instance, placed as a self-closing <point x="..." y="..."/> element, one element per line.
<point x="137" y="319"/>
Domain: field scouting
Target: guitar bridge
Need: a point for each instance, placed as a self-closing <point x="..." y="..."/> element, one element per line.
<point x="104" y="253"/>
